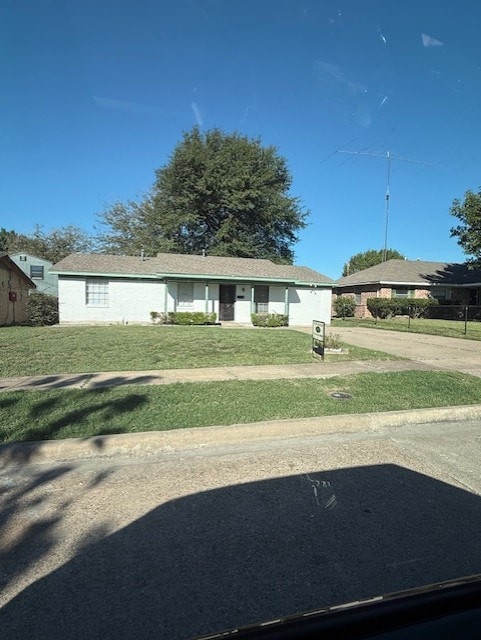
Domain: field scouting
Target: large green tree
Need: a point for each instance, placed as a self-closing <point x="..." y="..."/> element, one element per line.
<point x="369" y="258"/>
<point x="225" y="193"/>
<point x="468" y="231"/>
<point x="51" y="245"/>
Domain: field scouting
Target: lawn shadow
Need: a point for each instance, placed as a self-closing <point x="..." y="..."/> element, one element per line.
<point x="48" y="409"/>
<point x="242" y="554"/>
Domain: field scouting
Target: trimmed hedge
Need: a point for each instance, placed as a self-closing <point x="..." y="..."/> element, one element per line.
<point x="183" y="317"/>
<point x="42" y="309"/>
<point x="269" y="320"/>
<point x="388" y="307"/>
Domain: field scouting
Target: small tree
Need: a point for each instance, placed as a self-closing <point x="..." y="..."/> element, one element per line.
<point x="344" y="306"/>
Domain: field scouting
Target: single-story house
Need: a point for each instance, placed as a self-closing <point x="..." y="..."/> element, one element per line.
<point x="450" y="283"/>
<point x="96" y="288"/>
<point x="14" y="288"/>
<point x="37" y="269"/>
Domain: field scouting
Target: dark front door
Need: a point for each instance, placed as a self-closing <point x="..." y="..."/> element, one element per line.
<point x="227" y="301"/>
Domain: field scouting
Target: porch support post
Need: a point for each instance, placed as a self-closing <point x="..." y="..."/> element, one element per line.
<point x="252" y="300"/>
<point x="286" y="302"/>
<point x="166" y="297"/>
<point x="207" y="297"/>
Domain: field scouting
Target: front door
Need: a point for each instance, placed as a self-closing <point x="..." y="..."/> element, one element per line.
<point x="226" y="302"/>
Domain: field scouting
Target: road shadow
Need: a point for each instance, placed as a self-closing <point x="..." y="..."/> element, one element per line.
<point x="241" y="554"/>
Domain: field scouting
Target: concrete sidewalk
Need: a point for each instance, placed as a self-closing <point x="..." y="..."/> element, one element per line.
<point x="169" y="376"/>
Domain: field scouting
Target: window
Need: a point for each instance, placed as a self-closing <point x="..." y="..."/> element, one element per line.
<point x="441" y="293"/>
<point x="185" y="295"/>
<point x="261" y="298"/>
<point x="357" y="298"/>
<point x="402" y="292"/>
<point x="36" y="272"/>
<point x="96" y="293"/>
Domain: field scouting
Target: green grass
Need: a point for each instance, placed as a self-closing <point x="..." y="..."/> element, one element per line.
<point x="39" y="415"/>
<point x="50" y="350"/>
<point x="448" y="328"/>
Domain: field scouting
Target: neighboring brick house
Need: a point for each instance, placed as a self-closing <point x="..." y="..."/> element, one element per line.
<point x="448" y="282"/>
<point x="14" y="288"/>
<point x="97" y="288"/>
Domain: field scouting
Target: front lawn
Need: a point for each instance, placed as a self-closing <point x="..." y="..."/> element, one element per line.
<point x="448" y="328"/>
<point x="40" y="415"/>
<point x="49" y="350"/>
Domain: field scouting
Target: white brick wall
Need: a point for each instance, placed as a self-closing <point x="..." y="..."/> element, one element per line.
<point x="306" y="305"/>
<point x="129" y="301"/>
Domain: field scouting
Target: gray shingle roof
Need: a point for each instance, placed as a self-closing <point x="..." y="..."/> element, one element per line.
<point x="413" y="272"/>
<point x="184" y="265"/>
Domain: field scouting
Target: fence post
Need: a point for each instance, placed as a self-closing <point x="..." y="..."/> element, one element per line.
<point x="466" y="320"/>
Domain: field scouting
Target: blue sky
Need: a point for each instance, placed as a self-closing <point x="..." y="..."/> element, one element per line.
<point x="95" y="96"/>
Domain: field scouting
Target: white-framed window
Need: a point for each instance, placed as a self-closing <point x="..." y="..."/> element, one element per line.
<point x="36" y="271"/>
<point x="402" y="292"/>
<point x="185" y="295"/>
<point x="96" y="292"/>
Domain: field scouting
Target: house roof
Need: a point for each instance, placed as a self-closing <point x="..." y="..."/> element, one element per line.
<point x="9" y="264"/>
<point x="415" y="272"/>
<point x="186" y="266"/>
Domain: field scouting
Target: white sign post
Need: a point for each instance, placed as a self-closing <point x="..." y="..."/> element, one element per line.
<point x="318" y="337"/>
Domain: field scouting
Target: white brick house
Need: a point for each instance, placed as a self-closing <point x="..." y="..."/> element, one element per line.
<point x="96" y="288"/>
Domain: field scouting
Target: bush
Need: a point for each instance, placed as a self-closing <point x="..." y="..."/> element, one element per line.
<point x="420" y="308"/>
<point x="191" y="317"/>
<point x="379" y="307"/>
<point x="344" y="306"/>
<point x="42" y="309"/>
<point x="269" y="320"/>
<point x="160" y="317"/>
<point x="333" y="341"/>
<point x="387" y="307"/>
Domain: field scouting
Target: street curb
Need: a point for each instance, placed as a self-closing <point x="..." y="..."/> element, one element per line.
<point x="152" y="443"/>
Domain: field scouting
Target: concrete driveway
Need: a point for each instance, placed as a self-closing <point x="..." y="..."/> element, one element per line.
<point x="436" y="351"/>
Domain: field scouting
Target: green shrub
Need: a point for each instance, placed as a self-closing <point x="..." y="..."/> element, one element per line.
<point x="42" y="309"/>
<point x="387" y="307"/>
<point x="419" y="308"/>
<point x="344" y="306"/>
<point x="191" y="317"/>
<point x="379" y="307"/>
<point x="160" y="317"/>
<point x="269" y="320"/>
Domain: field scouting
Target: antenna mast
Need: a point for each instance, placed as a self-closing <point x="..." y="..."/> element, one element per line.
<point x="388" y="155"/>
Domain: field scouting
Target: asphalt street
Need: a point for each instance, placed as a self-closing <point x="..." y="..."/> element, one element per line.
<point x="186" y="541"/>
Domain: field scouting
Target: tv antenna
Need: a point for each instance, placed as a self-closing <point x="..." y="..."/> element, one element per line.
<point x="389" y="157"/>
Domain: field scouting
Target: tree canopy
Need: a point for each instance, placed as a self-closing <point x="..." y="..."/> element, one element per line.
<point x="221" y="192"/>
<point x="52" y="245"/>
<point x="468" y="231"/>
<point x="369" y="258"/>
